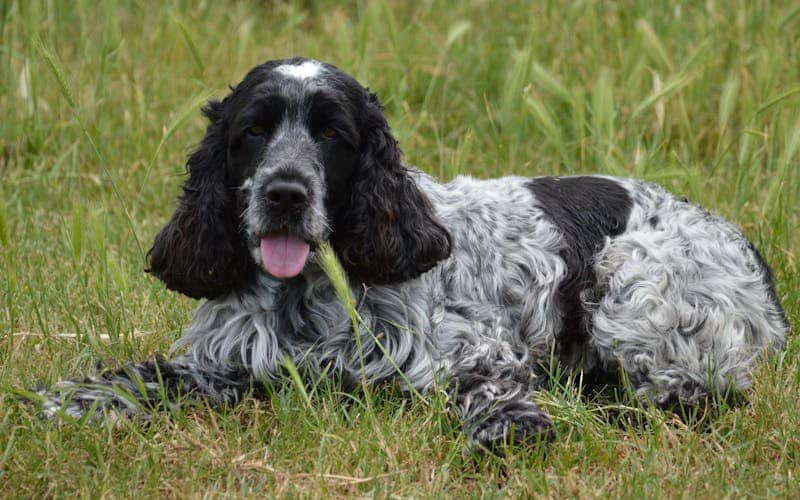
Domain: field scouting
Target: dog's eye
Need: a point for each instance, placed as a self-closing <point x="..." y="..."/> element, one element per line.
<point x="329" y="133"/>
<point x="256" y="130"/>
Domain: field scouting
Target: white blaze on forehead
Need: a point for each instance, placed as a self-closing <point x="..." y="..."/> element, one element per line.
<point x="303" y="71"/>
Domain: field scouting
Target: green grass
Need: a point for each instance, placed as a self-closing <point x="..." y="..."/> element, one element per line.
<point x="99" y="106"/>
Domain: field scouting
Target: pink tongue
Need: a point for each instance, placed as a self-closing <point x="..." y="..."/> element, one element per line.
<point x="283" y="254"/>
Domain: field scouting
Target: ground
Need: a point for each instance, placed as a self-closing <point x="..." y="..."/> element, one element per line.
<point x="99" y="104"/>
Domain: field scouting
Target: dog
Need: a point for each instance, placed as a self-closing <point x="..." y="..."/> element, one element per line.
<point x="477" y="286"/>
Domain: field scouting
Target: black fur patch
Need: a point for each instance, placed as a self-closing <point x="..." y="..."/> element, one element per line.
<point x="586" y="210"/>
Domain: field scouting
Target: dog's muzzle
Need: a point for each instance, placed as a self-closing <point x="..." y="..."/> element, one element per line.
<point x="283" y="251"/>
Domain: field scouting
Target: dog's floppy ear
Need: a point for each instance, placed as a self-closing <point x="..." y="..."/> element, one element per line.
<point x="388" y="231"/>
<point x="201" y="251"/>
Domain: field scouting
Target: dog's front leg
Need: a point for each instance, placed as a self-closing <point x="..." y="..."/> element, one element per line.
<point x="140" y="388"/>
<point x="493" y="388"/>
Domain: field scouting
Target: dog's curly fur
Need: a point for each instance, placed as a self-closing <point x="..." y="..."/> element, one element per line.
<point x="478" y="285"/>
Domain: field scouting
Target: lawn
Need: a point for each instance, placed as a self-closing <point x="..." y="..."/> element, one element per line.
<point x="100" y="104"/>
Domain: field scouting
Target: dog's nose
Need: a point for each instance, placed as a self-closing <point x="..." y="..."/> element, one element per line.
<point x="287" y="193"/>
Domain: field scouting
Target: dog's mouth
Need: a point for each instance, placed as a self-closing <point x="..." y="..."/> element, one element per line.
<point x="283" y="254"/>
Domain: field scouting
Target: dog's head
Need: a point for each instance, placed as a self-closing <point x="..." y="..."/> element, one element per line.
<point x="297" y="154"/>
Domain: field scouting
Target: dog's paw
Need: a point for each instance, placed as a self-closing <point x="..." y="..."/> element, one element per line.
<point x="514" y="429"/>
<point x="68" y="401"/>
<point x="59" y="401"/>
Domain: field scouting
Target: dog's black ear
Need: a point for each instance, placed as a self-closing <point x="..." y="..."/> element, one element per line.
<point x="201" y="252"/>
<point x="388" y="231"/>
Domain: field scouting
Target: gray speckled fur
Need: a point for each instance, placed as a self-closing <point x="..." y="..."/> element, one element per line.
<point x="681" y="304"/>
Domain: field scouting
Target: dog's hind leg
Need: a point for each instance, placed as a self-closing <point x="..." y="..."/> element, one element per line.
<point x="140" y="388"/>
<point x="684" y="311"/>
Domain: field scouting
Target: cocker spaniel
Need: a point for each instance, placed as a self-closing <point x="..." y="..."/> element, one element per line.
<point x="477" y="286"/>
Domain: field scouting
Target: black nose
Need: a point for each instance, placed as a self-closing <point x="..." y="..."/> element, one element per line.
<point x="287" y="193"/>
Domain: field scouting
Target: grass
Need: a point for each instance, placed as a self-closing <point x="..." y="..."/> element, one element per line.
<point x="99" y="106"/>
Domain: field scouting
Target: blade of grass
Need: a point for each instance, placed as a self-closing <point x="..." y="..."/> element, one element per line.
<point x="66" y="92"/>
<point x="183" y="115"/>
<point x="335" y="272"/>
<point x="777" y="99"/>
<point x="187" y="38"/>
<point x="657" y="94"/>
<point x="3" y="223"/>
<point x="546" y="81"/>
<point x="546" y="122"/>
<point x="727" y="102"/>
<point x="784" y="165"/>
<point x="297" y="380"/>
<point x="653" y="44"/>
